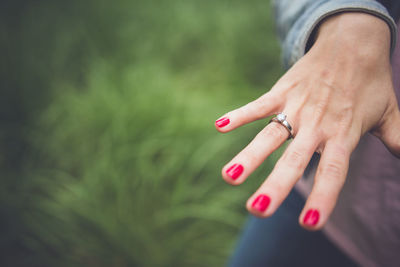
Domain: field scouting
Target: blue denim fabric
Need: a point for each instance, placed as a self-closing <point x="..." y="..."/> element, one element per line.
<point x="279" y="241"/>
<point x="296" y="21"/>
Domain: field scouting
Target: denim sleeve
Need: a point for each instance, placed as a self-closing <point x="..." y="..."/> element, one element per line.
<point x="296" y="20"/>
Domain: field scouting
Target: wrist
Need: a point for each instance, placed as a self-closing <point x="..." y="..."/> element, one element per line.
<point x="361" y="35"/>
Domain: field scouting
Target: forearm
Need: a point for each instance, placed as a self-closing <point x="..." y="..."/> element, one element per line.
<point x="297" y="21"/>
<point x="364" y="37"/>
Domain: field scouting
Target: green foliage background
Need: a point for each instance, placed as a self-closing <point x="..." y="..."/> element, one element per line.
<point x="108" y="151"/>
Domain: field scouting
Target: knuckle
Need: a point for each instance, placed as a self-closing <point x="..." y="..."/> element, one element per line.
<point x="320" y="110"/>
<point x="280" y="185"/>
<point x="294" y="159"/>
<point x="340" y="152"/>
<point x="332" y="169"/>
<point x="271" y="98"/>
<point x="259" y="103"/>
<point x="262" y="105"/>
<point x="287" y="85"/>
<point x="258" y="107"/>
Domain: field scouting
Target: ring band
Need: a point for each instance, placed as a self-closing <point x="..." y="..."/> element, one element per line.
<point x="281" y="119"/>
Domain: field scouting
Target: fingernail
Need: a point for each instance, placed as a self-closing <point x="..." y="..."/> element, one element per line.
<point x="234" y="171"/>
<point x="311" y="218"/>
<point x="261" y="203"/>
<point x="222" y="122"/>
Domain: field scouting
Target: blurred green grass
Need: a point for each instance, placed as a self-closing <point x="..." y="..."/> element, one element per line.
<point x="109" y="152"/>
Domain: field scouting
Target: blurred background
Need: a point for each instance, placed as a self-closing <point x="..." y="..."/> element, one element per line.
<point x="108" y="151"/>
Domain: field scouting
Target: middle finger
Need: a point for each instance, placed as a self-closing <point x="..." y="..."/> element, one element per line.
<point x="285" y="174"/>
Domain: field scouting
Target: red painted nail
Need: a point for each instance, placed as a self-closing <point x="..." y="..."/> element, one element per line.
<point x="261" y="203"/>
<point x="234" y="171"/>
<point x="222" y="122"/>
<point x="311" y="218"/>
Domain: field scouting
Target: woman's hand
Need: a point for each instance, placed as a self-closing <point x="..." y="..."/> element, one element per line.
<point x="341" y="89"/>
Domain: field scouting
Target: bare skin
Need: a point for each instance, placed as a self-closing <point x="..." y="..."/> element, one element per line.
<point x="339" y="91"/>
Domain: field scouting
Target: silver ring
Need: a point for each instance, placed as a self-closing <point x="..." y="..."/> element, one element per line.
<point x="281" y="118"/>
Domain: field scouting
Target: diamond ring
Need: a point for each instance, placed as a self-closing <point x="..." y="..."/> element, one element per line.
<point x="281" y="118"/>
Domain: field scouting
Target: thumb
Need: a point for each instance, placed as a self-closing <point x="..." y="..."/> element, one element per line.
<point x="389" y="131"/>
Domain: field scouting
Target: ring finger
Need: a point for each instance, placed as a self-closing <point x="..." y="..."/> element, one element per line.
<point x="244" y="163"/>
<point x="285" y="174"/>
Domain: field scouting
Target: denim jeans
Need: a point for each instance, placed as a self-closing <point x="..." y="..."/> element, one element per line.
<point x="279" y="241"/>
